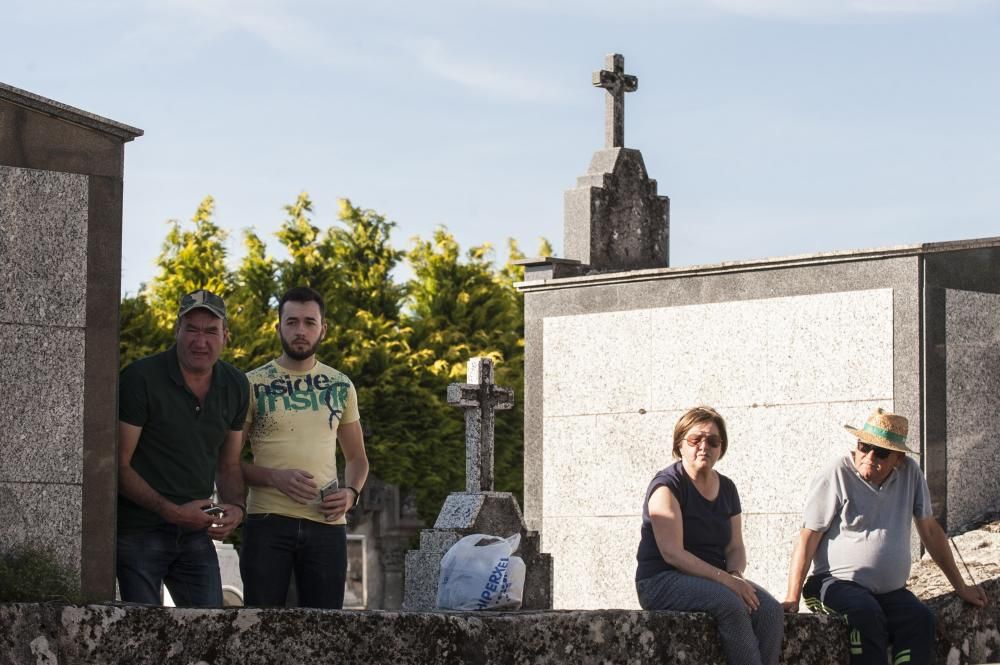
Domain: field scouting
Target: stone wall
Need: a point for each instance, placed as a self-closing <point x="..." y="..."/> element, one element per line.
<point x="786" y="373"/>
<point x="165" y="636"/>
<point x="60" y="256"/>
<point x="136" y="635"/>
<point x="972" y="377"/>
<point x="43" y="242"/>
<point x="789" y="350"/>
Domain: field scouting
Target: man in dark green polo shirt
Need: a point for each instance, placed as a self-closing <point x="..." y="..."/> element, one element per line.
<point x="180" y="423"/>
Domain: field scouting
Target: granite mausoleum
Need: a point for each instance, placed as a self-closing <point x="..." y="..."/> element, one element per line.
<point x="788" y="350"/>
<point x="60" y="255"/>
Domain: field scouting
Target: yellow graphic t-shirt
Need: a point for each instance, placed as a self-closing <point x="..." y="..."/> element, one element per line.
<point x="293" y="419"/>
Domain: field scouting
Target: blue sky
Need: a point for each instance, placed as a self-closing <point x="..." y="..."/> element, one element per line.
<point x="776" y="127"/>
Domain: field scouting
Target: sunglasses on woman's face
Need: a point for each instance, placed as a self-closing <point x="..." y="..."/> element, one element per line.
<point x="695" y="440"/>
<point x="865" y="448"/>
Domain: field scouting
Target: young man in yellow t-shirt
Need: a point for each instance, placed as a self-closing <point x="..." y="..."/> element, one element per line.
<point x="299" y="408"/>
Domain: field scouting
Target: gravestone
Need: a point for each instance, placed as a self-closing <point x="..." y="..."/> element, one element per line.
<point x="788" y="350"/>
<point x="479" y="509"/>
<point x="60" y="254"/>
<point x="614" y="218"/>
<point x="480" y="398"/>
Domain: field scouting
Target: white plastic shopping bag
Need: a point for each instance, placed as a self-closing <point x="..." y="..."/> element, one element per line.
<point x="480" y="573"/>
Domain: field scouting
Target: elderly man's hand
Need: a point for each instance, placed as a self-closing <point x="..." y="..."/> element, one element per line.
<point x="974" y="595"/>
<point x="790" y="606"/>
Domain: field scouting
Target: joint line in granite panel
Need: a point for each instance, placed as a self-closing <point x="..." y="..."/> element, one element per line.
<point x="772" y="405"/>
<point x="39" y="482"/>
<point x="754" y="514"/>
<point x="47" y="326"/>
<point x="589" y="414"/>
<point x="637" y="513"/>
<point x="643" y="411"/>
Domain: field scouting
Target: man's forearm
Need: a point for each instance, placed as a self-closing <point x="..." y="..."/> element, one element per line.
<point x="936" y="543"/>
<point x="802" y="557"/>
<point x="356" y="472"/>
<point x="797" y="572"/>
<point x="135" y="488"/>
<point x="257" y="476"/>
<point x="231" y="486"/>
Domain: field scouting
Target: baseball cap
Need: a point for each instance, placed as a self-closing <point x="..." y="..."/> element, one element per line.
<point x="205" y="300"/>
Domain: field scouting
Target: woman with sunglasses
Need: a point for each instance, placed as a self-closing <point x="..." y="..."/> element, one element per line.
<point x="691" y="554"/>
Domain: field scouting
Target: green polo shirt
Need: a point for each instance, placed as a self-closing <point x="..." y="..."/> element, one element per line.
<point x="178" y="450"/>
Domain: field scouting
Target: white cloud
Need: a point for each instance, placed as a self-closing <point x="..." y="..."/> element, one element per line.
<point x="294" y="28"/>
<point x="839" y="9"/>
<point x="486" y="76"/>
<point x="807" y="10"/>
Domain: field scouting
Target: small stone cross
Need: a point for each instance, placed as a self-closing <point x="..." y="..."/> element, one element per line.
<point x="617" y="83"/>
<point x="480" y="398"/>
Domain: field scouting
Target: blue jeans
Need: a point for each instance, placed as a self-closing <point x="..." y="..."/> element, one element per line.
<point x="185" y="561"/>
<point x="275" y="545"/>
<point x="876" y="620"/>
<point x="748" y="638"/>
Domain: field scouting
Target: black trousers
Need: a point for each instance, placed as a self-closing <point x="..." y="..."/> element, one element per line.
<point x="876" y="621"/>
<point x="275" y="545"/>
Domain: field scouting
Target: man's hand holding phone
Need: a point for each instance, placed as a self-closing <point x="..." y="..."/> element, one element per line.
<point x="189" y="515"/>
<point x="225" y="518"/>
<point x="334" y="502"/>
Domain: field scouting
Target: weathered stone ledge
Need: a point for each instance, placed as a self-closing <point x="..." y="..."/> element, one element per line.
<point x="50" y="635"/>
<point x="111" y="634"/>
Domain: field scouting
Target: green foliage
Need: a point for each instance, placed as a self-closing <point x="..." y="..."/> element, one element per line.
<point x="190" y="260"/>
<point x="32" y="576"/>
<point x="251" y="307"/>
<point x="401" y="344"/>
<point x="141" y="333"/>
<point x="462" y="309"/>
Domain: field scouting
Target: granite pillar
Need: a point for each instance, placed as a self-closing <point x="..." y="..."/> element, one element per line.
<point x="60" y="250"/>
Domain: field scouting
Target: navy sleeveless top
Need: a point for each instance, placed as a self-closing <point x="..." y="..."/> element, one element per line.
<point x="707" y="529"/>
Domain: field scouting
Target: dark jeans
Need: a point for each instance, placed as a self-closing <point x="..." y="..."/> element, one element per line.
<point x="876" y="621"/>
<point x="185" y="561"/>
<point x="275" y="545"/>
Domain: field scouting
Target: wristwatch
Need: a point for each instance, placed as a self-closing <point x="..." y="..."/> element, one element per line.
<point x="357" y="495"/>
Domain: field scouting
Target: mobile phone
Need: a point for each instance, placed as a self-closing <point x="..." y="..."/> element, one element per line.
<point x="214" y="511"/>
<point x="330" y="487"/>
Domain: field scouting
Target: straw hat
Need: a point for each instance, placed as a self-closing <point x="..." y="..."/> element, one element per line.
<point x="885" y="430"/>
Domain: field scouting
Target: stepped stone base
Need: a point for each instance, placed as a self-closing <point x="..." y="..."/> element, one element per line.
<point x="465" y="513"/>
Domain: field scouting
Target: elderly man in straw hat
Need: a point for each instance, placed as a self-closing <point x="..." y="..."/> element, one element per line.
<point x="856" y="533"/>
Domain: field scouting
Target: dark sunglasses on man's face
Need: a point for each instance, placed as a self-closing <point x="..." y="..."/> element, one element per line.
<point x="865" y="448"/>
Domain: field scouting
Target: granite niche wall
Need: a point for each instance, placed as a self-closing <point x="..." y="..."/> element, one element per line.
<point x="60" y="257"/>
<point x="789" y="350"/>
<point x="972" y="402"/>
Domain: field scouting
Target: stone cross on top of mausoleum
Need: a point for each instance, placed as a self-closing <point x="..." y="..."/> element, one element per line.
<point x="480" y="398"/>
<point x="616" y="82"/>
